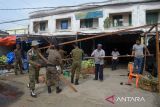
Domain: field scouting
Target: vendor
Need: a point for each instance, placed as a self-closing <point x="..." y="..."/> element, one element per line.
<point x="98" y="54"/>
<point x="115" y="54"/>
<point x="138" y="52"/>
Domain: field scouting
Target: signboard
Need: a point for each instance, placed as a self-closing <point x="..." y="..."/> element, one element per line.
<point x="88" y="15"/>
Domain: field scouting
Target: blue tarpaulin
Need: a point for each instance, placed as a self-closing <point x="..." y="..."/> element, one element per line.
<point x="10" y="57"/>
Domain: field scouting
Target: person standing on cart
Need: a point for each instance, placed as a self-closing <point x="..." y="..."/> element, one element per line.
<point x="18" y="60"/>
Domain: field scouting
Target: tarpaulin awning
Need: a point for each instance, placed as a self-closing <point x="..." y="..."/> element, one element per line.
<point x="88" y="15"/>
<point x="8" y="41"/>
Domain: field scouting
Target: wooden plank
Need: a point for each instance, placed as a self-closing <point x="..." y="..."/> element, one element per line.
<point x="67" y="82"/>
<point x="121" y="56"/>
<point x="102" y="35"/>
<point x="157" y="55"/>
<point x="60" y="75"/>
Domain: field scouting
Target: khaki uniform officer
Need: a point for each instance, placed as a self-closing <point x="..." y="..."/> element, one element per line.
<point x="18" y="60"/>
<point x="33" y="57"/>
<point x="52" y="73"/>
<point x="77" y="54"/>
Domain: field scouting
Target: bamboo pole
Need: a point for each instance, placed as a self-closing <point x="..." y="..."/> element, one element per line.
<point x="121" y="56"/>
<point x="157" y="55"/>
<point x="62" y="78"/>
<point x="145" y="53"/>
<point x="102" y="35"/>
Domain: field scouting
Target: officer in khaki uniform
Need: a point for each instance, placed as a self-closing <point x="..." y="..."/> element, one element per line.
<point x="18" y="60"/>
<point x="62" y="52"/>
<point x="53" y="68"/>
<point x="77" y="54"/>
<point x="63" y="56"/>
<point x="34" y="67"/>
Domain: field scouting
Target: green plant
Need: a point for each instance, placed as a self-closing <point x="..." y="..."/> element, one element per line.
<point x="107" y="23"/>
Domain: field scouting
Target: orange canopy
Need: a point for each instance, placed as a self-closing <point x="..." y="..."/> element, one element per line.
<point x="8" y="41"/>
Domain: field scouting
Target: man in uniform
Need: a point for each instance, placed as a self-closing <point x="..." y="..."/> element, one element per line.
<point x="62" y="52"/>
<point x="53" y="68"/>
<point x="18" y="60"/>
<point x="77" y="55"/>
<point x="34" y="67"/>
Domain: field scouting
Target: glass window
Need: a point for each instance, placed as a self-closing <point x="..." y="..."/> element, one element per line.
<point x="86" y="23"/>
<point x="42" y="26"/>
<point x="117" y="20"/>
<point x="152" y="17"/>
<point x="64" y="24"/>
<point x="130" y="20"/>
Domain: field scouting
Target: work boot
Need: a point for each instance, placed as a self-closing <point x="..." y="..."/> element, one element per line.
<point x="33" y="94"/>
<point x="76" y="82"/>
<point x="95" y="79"/>
<point x="22" y="73"/>
<point x="72" y="79"/>
<point x="37" y="81"/>
<point x="58" y="90"/>
<point x="28" y="85"/>
<point x="16" y="73"/>
<point x="49" y="89"/>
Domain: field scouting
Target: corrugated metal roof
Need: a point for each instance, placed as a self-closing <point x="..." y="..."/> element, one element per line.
<point x="66" y="9"/>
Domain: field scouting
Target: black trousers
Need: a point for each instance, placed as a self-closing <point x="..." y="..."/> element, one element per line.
<point x="114" y="64"/>
<point x="98" y="72"/>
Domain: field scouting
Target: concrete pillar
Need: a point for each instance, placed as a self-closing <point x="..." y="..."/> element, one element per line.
<point x="49" y="27"/>
<point x="31" y="27"/>
<point x="105" y="15"/>
<point x="53" y="27"/>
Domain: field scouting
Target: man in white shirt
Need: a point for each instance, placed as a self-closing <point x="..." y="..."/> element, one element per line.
<point x="99" y="54"/>
<point x="115" y="55"/>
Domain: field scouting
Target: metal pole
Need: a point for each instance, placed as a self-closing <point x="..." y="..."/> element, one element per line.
<point x="157" y="55"/>
<point x="144" y="65"/>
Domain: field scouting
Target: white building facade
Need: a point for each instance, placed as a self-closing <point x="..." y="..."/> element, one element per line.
<point x="94" y="17"/>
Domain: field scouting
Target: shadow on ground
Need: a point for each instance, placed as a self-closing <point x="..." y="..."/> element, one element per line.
<point x="9" y="94"/>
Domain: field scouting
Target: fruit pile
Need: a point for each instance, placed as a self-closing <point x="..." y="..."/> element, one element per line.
<point x="87" y="64"/>
<point x="3" y="59"/>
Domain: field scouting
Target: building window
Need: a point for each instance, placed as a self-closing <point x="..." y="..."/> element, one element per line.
<point x="130" y="19"/>
<point x="89" y="23"/>
<point x="152" y="17"/>
<point x="35" y="27"/>
<point x="42" y="26"/>
<point x="64" y="24"/>
<point x="117" y="20"/>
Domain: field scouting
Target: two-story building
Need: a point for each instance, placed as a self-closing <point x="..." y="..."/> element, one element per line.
<point x="95" y="18"/>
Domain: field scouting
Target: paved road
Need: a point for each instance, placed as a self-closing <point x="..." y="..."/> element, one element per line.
<point x="90" y="93"/>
